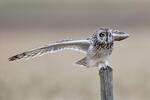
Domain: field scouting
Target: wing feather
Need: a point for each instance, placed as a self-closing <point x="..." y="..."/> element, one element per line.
<point x="120" y="36"/>
<point x="78" y="45"/>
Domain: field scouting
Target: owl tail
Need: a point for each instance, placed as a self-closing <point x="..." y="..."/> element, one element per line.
<point x="82" y="62"/>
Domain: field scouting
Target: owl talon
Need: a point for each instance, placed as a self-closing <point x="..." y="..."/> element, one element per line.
<point x="105" y="68"/>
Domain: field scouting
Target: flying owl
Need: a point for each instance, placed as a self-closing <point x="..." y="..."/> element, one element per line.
<point x="98" y="48"/>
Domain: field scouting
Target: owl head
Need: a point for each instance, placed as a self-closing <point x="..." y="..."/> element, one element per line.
<point x="103" y="35"/>
<point x="107" y="35"/>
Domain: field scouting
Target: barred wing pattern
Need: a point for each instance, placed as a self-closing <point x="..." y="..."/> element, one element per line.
<point x="78" y="45"/>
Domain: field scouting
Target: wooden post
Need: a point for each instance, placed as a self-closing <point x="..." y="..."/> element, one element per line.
<point x="106" y="80"/>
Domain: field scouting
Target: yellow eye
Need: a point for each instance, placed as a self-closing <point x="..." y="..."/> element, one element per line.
<point x="102" y="34"/>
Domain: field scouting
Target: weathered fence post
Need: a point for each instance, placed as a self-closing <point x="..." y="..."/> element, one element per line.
<point x="106" y="80"/>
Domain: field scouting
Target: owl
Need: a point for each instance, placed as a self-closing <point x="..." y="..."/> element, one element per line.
<point x="97" y="48"/>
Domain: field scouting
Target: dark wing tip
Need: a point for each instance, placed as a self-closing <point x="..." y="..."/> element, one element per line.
<point x="13" y="58"/>
<point x="16" y="57"/>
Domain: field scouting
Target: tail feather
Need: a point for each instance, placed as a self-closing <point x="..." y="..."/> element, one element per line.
<point x="82" y="62"/>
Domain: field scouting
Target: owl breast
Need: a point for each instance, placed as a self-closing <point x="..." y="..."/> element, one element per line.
<point x="99" y="53"/>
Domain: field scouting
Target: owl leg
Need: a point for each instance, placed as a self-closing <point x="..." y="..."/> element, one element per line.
<point x="104" y="64"/>
<point x="107" y="63"/>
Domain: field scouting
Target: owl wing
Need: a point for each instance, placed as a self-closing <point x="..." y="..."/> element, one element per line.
<point x="79" y="45"/>
<point x="118" y="36"/>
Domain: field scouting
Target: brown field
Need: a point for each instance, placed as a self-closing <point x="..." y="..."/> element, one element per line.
<point x="53" y="77"/>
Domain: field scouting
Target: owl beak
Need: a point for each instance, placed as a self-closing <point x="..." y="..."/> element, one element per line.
<point x="120" y="36"/>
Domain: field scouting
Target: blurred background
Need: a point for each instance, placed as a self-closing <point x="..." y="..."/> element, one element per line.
<point x="28" y="24"/>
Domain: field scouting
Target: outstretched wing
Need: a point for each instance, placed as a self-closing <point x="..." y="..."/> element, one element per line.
<point x="79" y="45"/>
<point x="118" y="36"/>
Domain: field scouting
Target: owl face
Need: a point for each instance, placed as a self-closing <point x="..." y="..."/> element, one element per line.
<point x="104" y="35"/>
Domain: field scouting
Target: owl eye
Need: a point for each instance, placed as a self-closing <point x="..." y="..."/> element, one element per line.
<point x="102" y="34"/>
